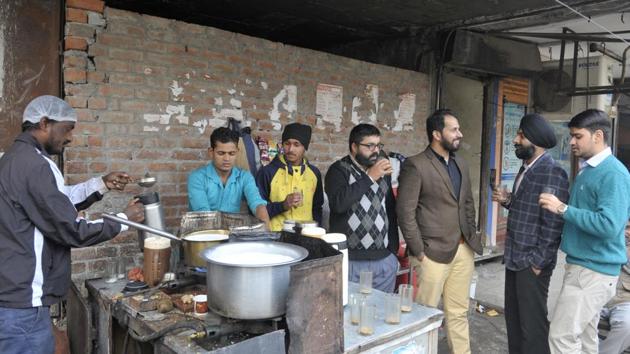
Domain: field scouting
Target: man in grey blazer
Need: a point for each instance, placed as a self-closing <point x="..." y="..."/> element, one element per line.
<point x="436" y="215"/>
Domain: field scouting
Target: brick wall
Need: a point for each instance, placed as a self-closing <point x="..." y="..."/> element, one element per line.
<point x="149" y="91"/>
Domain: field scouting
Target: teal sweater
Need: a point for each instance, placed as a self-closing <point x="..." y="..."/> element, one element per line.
<point x="598" y="211"/>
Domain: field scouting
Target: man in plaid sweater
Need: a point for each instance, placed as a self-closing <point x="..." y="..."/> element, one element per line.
<point x="361" y="200"/>
<point x="533" y="236"/>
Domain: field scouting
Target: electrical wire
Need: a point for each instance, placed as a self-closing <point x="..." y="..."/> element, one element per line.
<point x="588" y="18"/>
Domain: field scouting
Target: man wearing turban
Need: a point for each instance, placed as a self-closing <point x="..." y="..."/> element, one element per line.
<point x="533" y="236"/>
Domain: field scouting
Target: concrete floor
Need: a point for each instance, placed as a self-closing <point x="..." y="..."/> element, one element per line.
<point x="488" y="334"/>
<point x="491" y="276"/>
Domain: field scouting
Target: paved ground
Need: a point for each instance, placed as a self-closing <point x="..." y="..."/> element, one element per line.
<point x="488" y="334"/>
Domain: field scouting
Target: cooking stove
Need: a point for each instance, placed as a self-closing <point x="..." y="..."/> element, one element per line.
<point x="220" y="331"/>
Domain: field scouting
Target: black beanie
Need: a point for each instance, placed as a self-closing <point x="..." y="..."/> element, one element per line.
<point x="299" y="132"/>
<point x="538" y="131"/>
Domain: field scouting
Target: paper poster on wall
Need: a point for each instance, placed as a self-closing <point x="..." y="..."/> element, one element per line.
<point x="329" y="105"/>
<point x="510" y="164"/>
<point x="562" y="151"/>
<point x="404" y="114"/>
<point x="513" y="112"/>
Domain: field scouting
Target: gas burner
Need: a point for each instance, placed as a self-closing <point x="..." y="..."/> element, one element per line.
<point x="221" y="329"/>
<point x="134" y="286"/>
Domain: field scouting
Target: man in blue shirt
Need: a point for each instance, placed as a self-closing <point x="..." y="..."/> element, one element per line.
<point x="219" y="185"/>
<point x="592" y="237"/>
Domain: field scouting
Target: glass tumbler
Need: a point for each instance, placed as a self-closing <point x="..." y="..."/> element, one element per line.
<point x="406" y="297"/>
<point x="549" y="190"/>
<point x="355" y="307"/>
<point x="392" y="308"/>
<point x="366" y="322"/>
<point x="365" y="282"/>
<point x="111" y="271"/>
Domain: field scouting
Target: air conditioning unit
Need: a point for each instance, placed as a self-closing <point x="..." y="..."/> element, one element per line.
<point x="553" y="104"/>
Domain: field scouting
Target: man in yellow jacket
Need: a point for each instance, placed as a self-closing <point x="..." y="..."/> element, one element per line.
<point x="290" y="184"/>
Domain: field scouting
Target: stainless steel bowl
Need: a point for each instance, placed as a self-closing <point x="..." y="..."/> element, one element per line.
<point x="250" y="280"/>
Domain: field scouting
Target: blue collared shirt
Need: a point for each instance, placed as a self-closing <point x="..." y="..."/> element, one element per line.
<point x="206" y="192"/>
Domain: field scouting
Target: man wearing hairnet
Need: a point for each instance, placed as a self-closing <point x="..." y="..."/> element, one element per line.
<point x="39" y="224"/>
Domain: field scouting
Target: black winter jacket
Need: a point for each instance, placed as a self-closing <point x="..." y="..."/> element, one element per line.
<point x="39" y="224"/>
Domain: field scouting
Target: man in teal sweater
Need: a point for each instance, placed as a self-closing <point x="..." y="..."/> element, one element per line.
<point x="593" y="235"/>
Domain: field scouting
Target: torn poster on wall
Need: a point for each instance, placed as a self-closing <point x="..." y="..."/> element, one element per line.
<point x="329" y="108"/>
<point x="370" y="95"/>
<point x="404" y="114"/>
<point x="329" y="105"/>
<point x="288" y="97"/>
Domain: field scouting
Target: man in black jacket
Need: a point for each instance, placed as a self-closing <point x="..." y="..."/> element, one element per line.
<point x="362" y="206"/>
<point x="39" y="223"/>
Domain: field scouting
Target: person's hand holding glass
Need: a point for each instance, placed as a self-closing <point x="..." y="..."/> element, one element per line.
<point x="500" y="194"/>
<point x="293" y="200"/>
<point x="381" y="167"/>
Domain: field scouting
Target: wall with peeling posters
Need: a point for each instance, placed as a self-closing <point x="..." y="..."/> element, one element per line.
<point x="149" y="91"/>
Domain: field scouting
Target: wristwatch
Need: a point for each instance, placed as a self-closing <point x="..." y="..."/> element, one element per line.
<point x="562" y="209"/>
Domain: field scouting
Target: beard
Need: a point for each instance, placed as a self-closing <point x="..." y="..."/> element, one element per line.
<point x="524" y="152"/>
<point x="367" y="161"/>
<point x="54" y="147"/>
<point x="450" y="146"/>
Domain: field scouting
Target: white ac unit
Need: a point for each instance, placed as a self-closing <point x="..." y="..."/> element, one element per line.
<point x="592" y="71"/>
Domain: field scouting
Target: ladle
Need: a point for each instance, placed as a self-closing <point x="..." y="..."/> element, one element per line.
<point x="141" y="227"/>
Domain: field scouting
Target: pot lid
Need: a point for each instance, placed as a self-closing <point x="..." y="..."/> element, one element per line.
<point x="254" y="254"/>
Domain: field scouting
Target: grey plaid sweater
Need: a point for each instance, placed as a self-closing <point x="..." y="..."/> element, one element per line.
<point x="363" y="210"/>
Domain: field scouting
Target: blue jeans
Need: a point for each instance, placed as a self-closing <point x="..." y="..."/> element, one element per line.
<point x="26" y="331"/>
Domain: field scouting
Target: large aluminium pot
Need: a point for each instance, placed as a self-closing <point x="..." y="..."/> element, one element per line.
<point x="196" y="242"/>
<point x="250" y="280"/>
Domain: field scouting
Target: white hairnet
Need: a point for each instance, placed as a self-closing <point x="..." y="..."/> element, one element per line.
<point x="51" y="107"/>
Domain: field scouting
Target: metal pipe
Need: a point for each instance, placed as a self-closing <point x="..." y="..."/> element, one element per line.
<point x="141" y="227"/>
<point x="575" y="64"/>
<point x="570" y="37"/>
<point x="561" y="62"/>
<point x="612" y="89"/>
<point x="623" y="74"/>
<point x="596" y="47"/>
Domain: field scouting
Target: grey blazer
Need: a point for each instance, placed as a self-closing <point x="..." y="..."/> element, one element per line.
<point x="430" y="217"/>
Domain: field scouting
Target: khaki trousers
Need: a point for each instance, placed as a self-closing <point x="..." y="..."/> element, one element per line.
<point x="574" y="321"/>
<point x="452" y="283"/>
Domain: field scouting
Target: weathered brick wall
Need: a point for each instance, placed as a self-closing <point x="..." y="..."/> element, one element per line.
<point x="149" y="91"/>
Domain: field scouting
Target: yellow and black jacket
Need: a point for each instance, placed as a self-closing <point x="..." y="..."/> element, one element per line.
<point x="279" y="179"/>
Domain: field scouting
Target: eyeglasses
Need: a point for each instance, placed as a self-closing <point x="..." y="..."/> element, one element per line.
<point x="373" y="147"/>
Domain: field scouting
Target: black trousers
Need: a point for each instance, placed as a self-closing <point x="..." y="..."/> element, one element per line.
<point x="526" y="311"/>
